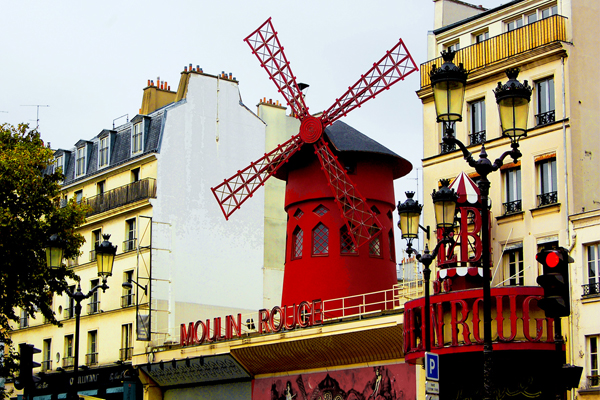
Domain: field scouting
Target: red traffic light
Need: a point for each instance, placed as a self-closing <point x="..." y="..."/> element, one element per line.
<point x="550" y="258"/>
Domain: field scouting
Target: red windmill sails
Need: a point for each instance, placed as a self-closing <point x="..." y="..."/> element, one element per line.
<point x="393" y="67"/>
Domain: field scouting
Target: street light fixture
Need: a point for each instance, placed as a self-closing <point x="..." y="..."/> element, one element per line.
<point x="513" y="105"/>
<point x="105" y="259"/>
<point x="55" y="247"/>
<point x="409" y="213"/>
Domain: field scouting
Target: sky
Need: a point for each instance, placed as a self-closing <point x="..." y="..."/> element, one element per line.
<point x="89" y="61"/>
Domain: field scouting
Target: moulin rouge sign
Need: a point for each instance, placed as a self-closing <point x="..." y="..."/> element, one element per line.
<point x="305" y="315"/>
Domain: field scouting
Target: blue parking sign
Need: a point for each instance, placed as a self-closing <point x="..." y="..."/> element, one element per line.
<point x="432" y="366"/>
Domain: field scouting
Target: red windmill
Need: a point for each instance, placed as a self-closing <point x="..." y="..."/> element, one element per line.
<point x="359" y="218"/>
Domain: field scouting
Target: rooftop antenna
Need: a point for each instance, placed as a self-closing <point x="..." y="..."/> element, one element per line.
<point x="38" y="112"/>
<point x="124" y="115"/>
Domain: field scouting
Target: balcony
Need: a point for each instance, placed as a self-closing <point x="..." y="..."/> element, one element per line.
<point x="91" y="359"/>
<point x="121" y="196"/>
<point x="46" y="365"/>
<point x="127" y="300"/>
<point x="69" y="313"/>
<point x="129" y="245"/>
<point x="93" y="307"/>
<point x="545" y="118"/>
<point x="593" y="380"/>
<point x="126" y="353"/>
<point x="477" y="137"/>
<point x="511" y="207"/>
<point x="591" y="289"/>
<point x="24" y="322"/>
<point x="502" y="47"/>
<point x="546" y="199"/>
<point x="68" y="361"/>
<point x="447" y="148"/>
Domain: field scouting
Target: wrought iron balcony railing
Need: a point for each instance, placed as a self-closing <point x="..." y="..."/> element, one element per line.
<point x="46" y="365"/>
<point x="92" y="255"/>
<point x="93" y="307"/>
<point x="126" y="353"/>
<point x="545" y="199"/>
<point x="136" y="191"/>
<point x="477" y="137"/>
<point x="511" y="207"/>
<point x="545" y="118"/>
<point x="68" y="361"/>
<point x="593" y="380"/>
<point x="127" y="300"/>
<point x="129" y="245"/>
<point x="69" y="312"/>
<point x="504" y="46"/>
<point x="91" y="359"/>
<point x="591" y="289"/>
<point x="447" y="148"/>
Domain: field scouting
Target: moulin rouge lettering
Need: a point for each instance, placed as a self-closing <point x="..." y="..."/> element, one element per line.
<point x="305" y="315"/>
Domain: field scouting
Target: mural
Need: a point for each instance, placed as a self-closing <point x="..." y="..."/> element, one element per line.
<point x="389" y="382"/>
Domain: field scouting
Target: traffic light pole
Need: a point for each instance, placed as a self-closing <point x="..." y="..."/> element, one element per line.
<point x="561" y="393"/>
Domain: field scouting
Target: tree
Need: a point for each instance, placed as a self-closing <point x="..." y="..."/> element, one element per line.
<point x="29" y="214"/>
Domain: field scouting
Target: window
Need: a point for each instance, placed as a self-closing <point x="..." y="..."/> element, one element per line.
<point x="392" y="245"/>
<point x="80" y="162"/>
<point x="137" y="138"/>
<point x="68" y="353"/>
<point x="126" y="342"/>
<point x="593" y="377"/>
<point x="47" y="355"/>
<point x="453" y="47"/>
<point x="94" y="304"/>
<point x="96" y="235"/>
<point x="297" y="238"/>
<point x="480" y="37"/>
<point x="514" y="24"/>
<point x="130" y="243"/>
<point x="321" y="210"/>
<point x="70" y="308"/>
<point x="23" y="319"/>
<point x="545" y="101"/>
<point x="78" y="196"/>
<point x="548" y="12"/>
<point x="593" y="270"/>
<point x="320" y="240"/>
<point x="512" y="191"/>
<point x="135" y="175"/>
<point x="477" y="117"/>
<point x="547" y="182"/>
<point x="514" y="267"/>
<point x="103" y="152"/>
<point x="298" y="214"/>
<point x="375" y="243"/>
<point x="91" y="358"/>
<point x="531" y="18"/>
<point x="127" y="296"/>
<point x="346" y="244"/>
<point x="100" y="188"/>
<point x="58" y="165"/>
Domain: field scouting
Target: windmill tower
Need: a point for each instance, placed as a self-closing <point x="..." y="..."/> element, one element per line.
<point x="332" y="227"/>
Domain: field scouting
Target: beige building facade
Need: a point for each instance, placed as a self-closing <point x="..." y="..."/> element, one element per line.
<point x="542" y="200"/>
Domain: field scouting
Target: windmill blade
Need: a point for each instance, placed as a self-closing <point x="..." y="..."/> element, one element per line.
<point x="360" y="220"/>
<point x="396" y="65"/>
<point x="233" y="192"/>
<point x="266" y="47"/>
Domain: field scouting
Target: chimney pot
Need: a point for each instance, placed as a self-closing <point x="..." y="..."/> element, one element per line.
<point x="148" y="82"/>
<point x="184" y="69"/>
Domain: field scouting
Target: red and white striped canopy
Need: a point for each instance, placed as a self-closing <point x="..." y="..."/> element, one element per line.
<point x="467" y="190"/>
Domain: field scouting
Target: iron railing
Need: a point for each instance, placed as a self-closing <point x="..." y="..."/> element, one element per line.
<point x="24" y="322"/>
<point x="91" y="359"/>
<point x="123" y="195"/>
<point x="545" y="118"/>
<point x="545" y="199"/>
<point x="68" y="361"/>
<point x="504" y="46"/>
<point x="593" y="380"/>
<point x="69" y="312"/>
<point x="591" y="289"/>
<point x="129" y="245"/>
<point x="477" y="137"/>
<point x="126" y="353"/>
<point x="127" y="300"/>
<point x="93" y="307"/>
<point x="46" y="365"/>
<point x="511" y="207"/>
<point x="447" y="148"/>
<point x="92" y="255"/>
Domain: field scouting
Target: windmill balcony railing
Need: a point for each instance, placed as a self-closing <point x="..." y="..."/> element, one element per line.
<point x="46" y="365"/>
<point x="545" y="118"/>
<point x="511" y="207"/>
<point x="504" y="46"/>
<point x="591" y="289"/>
<point x="477" y="137"/>
<point x="123" y="195"/>
<point x="546" y="199"/>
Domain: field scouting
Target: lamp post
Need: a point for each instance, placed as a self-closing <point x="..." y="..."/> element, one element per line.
<point x="409" y="212"/>
<point x="513" y="105"/>
<point x="105" y="257"/>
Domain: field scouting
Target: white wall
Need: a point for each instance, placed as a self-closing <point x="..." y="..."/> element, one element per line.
<point x="208" y="260"/>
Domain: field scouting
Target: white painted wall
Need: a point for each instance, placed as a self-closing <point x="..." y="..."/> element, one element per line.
<point x="206" y="139"/>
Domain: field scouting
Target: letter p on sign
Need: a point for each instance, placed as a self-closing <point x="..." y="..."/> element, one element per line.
<point x="432" y="366"/>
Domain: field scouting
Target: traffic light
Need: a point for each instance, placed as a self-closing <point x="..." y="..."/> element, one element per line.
<point x="26" y="366"/>
<point x="555" y="282"/>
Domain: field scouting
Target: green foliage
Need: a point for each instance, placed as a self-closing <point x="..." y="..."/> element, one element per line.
<point x="29" y="214"/>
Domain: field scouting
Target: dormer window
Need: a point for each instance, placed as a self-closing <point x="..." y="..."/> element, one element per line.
<point x="103" y="152"/>
<point x="58" y="165"/>
<point x="137" y="138"/>
<point x="80" y="162"/>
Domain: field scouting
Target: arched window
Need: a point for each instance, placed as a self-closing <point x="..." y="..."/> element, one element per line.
<point x="375" y="243"/>
<point x="346" y="244"/>
<point x="392" y="249"/>
<point x="320" y="240"/>
<point x="297" y="237"/>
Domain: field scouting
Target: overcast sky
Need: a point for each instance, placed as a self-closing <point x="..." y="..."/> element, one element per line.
<point x="89" y="61"/>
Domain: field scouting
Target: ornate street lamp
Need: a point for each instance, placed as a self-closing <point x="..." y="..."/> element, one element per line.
<point x="55" y="247"/>
<point x="448" y="83"/>
<point x="105" y="257"/>
<point x="409" y="213"/>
